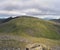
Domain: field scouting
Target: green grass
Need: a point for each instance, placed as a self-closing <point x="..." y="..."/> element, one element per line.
<point x="32" y="26"/>
<point x="33" y="29"/>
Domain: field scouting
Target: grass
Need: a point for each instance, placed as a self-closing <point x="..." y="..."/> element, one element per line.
<point x="33" y="29"/>
<point x="31" y="26"/>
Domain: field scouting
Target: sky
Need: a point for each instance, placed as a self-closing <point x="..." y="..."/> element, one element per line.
<point x="37" y="8"/>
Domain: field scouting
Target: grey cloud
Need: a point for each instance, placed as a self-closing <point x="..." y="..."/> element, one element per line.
<point x="46" y="7"/>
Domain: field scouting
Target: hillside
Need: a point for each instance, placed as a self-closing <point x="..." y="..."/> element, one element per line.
<point x="1" y="20"/>
<point x="26" y="30"/>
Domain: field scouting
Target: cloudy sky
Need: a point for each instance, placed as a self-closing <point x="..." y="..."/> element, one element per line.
<point x="38" y="8"/>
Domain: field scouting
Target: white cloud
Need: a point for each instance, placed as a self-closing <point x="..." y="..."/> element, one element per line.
<point x="11" y="12"/>
<point x="32" y="10"/>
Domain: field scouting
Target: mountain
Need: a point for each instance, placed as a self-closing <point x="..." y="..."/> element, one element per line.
<point x="56" y="20"/>
<point x="23" y="30"/>
<point x="1" y="20"/>
<point x="4" y="20"/>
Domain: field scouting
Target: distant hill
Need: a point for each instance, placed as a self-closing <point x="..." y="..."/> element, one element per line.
<point x="56" y="20"/>
<point x="26" y="29"/>
<point x="1" y="20"/>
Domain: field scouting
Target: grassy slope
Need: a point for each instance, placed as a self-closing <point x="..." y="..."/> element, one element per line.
<point x="34" y="29"/>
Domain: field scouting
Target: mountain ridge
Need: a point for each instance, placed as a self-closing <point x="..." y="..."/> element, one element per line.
<point x="56" y="20"/>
